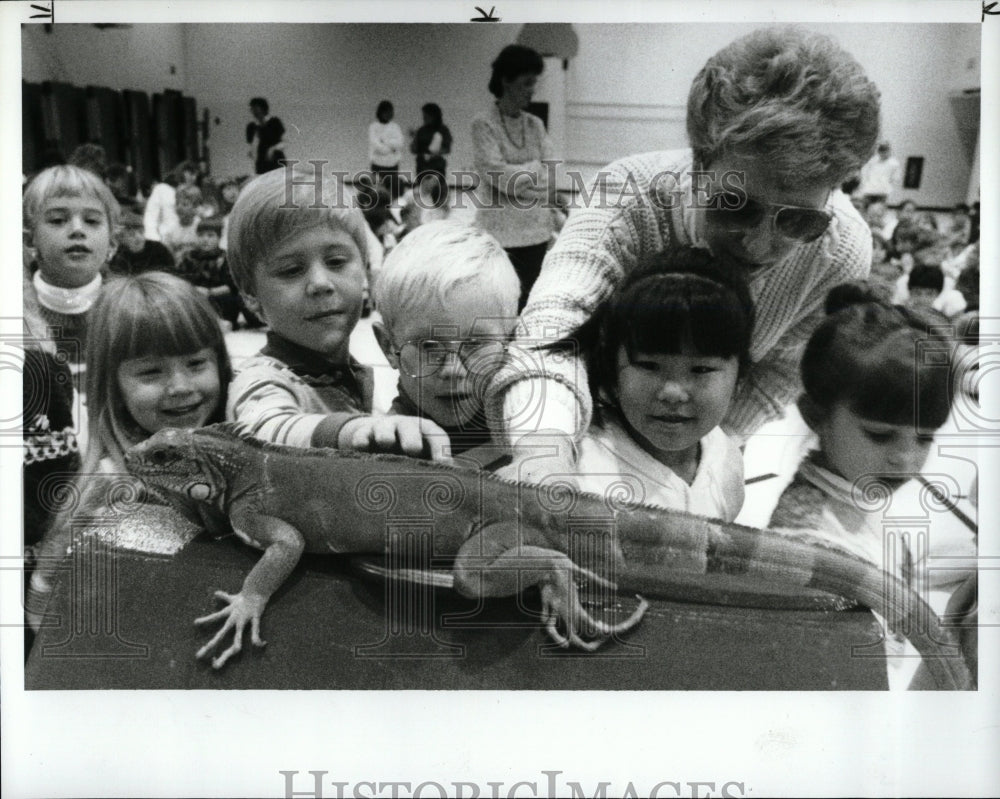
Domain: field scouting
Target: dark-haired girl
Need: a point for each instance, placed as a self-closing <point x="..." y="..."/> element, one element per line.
<point x="665" y="355"/>
<point x="874" y="400"/>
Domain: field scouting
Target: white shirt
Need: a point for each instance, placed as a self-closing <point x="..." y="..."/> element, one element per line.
<point x="610" y="460"/>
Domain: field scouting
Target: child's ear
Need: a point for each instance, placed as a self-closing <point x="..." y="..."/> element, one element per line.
<point x="385" y="344"/>
<point x="812" y="413"/>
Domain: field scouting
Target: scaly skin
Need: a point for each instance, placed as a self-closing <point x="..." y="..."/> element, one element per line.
<point x="503" y="535"/>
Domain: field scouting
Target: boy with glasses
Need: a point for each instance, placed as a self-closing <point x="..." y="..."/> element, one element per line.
<point x="447" y="295"/>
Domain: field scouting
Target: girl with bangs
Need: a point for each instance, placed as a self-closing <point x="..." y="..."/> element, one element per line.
<point x="156" y="358"/>
<point x="664" y="357"/>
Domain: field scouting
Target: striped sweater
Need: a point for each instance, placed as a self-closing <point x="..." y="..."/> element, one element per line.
<point x="646" y="206"/>
<point x="283" y="393"/>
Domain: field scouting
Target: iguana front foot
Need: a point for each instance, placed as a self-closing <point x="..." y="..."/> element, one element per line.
<point x="561" y="603"/>
<point x="241" y="608"/>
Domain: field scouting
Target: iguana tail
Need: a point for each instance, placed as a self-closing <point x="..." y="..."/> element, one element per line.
<point x="785" y="562"/>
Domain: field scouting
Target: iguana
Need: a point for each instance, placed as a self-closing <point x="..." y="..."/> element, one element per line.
<point x="503" y="535"/>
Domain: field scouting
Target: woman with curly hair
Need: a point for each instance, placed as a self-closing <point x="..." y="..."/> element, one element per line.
<point x="776" y="121"/>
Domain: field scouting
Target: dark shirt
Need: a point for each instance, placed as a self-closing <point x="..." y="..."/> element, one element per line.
<point x="51" y="455"/>
<point x="349" y="387"/>
<point x="474" y="433"/>
<point x="268" y="134"/>
<point x="153" y="256"/>
<point x="207" y="269"/>
<point x="425" y="159"/>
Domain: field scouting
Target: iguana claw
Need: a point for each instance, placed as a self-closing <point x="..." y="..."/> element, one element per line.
<point x="561" y="603"/>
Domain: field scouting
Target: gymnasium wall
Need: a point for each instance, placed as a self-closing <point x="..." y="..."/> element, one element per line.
<point x="625" y="90"/>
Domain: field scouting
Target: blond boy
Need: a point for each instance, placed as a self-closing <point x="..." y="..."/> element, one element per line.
<point x="298" y="254"/>
<point x="447" y="296"/>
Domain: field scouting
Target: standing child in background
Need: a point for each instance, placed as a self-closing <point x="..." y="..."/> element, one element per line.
<point x="385" y="148"/>
<point x="298" y="257"/>
<point x="70" y="218"/>
<point x="431" y="142"/>
<point x="665" y="353"/>
<point x="137" y="254"/>
<point x="447" y="296"/>
<point x="156" y="358"/>
<point x="181" y="234"/>
<point x="205" y="268"/>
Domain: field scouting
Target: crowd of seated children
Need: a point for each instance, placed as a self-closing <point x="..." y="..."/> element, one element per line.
<point x="136" y="254"/>
<point x="914" y="244"/>
<point x="447" y="297"/>
<point x="303" y="271"/>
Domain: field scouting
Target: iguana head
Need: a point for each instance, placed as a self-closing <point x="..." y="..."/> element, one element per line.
<point x="185" y="463"/>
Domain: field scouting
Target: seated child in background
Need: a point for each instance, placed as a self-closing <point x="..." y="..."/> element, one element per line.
<point x="205" y="268"/>
<point x="924" y="286"/>
<point x="885" y="271"/>
<point x="968" y="284"/>
<point x="122" y="183"/>
<point x="859" y="371"/>
<point x="447" y="296"/>
<point x="155" y="358"/>
<point x="136" y="253"/>
<point x="70" y="218"/>
<point x="180" y="234"/>
<point x="879" y="218"/>
<point x="229" y="190"/>
<point x="664" y="356"/>
<point x="302" y="270"/>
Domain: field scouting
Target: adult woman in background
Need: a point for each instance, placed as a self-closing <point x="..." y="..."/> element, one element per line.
<point x="776" y="121"/>
<point x="509" y="145"/>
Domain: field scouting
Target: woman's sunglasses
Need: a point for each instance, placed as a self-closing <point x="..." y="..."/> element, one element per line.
<point x="736" y="212"/>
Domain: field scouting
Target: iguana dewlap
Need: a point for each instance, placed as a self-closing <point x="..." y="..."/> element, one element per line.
<point x="287" y="500"/>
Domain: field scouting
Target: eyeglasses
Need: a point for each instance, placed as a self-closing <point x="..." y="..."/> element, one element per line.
<point x="424" y="357"/>
<point x="737" y="212"/>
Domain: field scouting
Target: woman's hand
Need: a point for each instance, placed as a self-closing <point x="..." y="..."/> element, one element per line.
<point x="242" y="608"/>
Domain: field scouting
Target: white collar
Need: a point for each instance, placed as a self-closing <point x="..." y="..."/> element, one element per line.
<point x="67" y="301"/>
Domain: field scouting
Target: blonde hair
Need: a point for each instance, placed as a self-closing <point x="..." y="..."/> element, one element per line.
<point x="282" y="203"/>
<point x="68" y="181"/>
<point x="435" y="258"/>
<point x="152" y="313"/>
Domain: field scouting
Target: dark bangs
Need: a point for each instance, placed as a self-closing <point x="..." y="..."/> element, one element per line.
<point x="883" y="363"/>
<point x="891" y="388"/>
<point x="665" y="313"/>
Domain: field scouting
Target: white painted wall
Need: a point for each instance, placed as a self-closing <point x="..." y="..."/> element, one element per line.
<point x="625" y="91"/>
<point x="139" y="57"/>
<point x="629" y="99"/>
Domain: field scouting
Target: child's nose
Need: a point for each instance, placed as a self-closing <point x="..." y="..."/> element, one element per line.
<point x="452" y="366"/>
<point x="180" y="381"/>
<point x="319" y="279"/>
<point x="673" y="391"/>
<point x="76" y="225"/>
